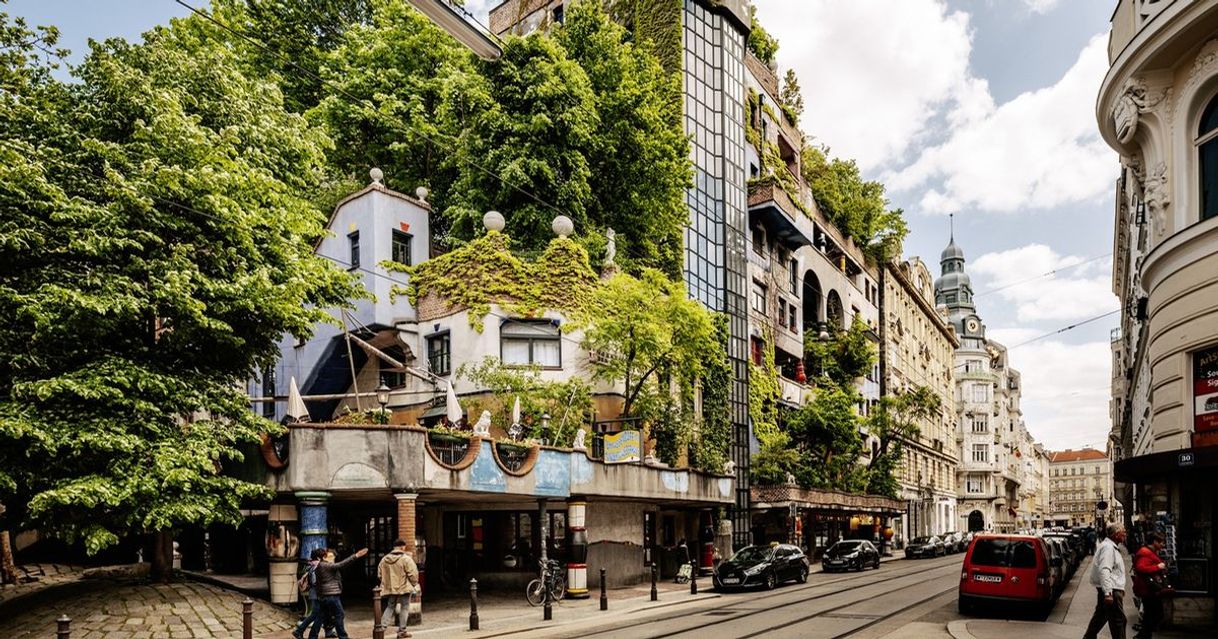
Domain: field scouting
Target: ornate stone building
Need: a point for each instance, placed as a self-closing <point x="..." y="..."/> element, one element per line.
<point x="1158" y="108"/>
<point x="1079" y="482"/>
<point x="919" y="348"/>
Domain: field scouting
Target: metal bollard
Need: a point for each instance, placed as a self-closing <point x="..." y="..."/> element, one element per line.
<point x="247" y="619"/>
<point x="547" y="608"/>
<point x="473" y="604"/>
<point x="655" y="594"/>
<point x="604" y="595"/>
<point x="693" y="577"/>
<point x="64" y="631"/>
<point x="378" y="628"/>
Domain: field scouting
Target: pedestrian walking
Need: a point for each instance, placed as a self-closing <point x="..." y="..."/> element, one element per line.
<point x="1108" y="577"/>
<point x="399" y="580"/>
<point x="313" y="613"/>
<point x="1150" y="584"/>
<point x="330" y="589"/>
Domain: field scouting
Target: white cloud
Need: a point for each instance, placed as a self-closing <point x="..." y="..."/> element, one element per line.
<point x="876" y="73"/>
<point x="1041" y="6"/>
<point x="1073" y="292"/>
<point x="1066" y="388"/>
<point x="1039" y="150"/>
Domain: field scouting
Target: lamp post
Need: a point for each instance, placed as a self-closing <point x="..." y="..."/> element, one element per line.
<point x="822" y="336"/>
<point x="382" y="398"/>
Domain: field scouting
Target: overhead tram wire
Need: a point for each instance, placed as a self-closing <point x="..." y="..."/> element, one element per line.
<point x="1042" y="275"/>
<point x="1067" y="328"/>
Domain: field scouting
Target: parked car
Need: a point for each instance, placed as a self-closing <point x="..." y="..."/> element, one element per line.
<point x="850" y="554"/>
<point x="953" y="542"/>
<point x="1007" y="569"/>
<point x="925" y="547"/>
<point x="765" y="566"/>
<point x="1059" y="567"/>
<point x="1071" y="553"/>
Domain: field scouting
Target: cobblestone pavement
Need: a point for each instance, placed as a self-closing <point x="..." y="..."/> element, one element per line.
<point x="47" y="576"/>
<point x="118" y="610"/>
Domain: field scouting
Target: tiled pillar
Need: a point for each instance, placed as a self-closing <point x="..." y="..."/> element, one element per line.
<point x="406" y="530"/>
<point x="314" y="523"/>
<point x="577" y="563"/>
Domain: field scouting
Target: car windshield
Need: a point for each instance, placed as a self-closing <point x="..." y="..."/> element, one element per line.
<point x="1004" y="553"/>
<point x="922" y="540"/>
<point x="753" y="553"/>
<point x="846" y="546"/>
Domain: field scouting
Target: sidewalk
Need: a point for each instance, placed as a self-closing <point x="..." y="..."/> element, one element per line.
<point x="1072" y="625"/>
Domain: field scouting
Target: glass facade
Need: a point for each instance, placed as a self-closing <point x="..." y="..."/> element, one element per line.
<point x="716" y="265"/>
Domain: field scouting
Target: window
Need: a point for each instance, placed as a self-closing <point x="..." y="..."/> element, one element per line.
<point x="756" y="350"/>
<point x="391" y="376"/>
<point x="759" y="298"/>
<point x="981" y="452"/>
<point x="1207" y="152"/>
<point x="792" y="321"/>
<point x="793" y="275"/>
<point x="758" y="240"/>
<point x="973" y="484"/>
<point x="981" y="393"/>
<point x="980" y="423"/>
<point x="268" y="390"/>
<point x="401" y="247"/>
<point x="558" y="14"/>
<point x="353" y="243"/>
<point x="782" y="312"/>
<point x="523" y="343"/>
<point x="439" y="353"/>
<point x="972" y="366"/>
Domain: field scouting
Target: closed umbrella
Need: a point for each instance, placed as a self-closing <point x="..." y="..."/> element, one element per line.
<point x="296" y="405"/>
<point x="454" y="413"/>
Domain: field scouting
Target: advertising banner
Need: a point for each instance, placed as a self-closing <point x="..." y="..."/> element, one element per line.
<point x="1205" y="390"/>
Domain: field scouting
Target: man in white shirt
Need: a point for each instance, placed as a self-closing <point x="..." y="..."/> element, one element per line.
<point x="1108" y="577"/>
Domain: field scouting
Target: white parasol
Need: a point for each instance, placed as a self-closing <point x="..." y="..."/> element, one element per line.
<point x="296" y="405"/>
<point x="454" y="409"/>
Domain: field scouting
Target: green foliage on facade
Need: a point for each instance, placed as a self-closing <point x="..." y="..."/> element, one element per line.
<point x="792" y="97"/>
<point x="485" y="271"/>
<point x="657" y="27"/>
<point x="568" y="404"/>
<point x="856" y="206"/>
<point x="761" y="43"/>
<point x="764" y="393"/>
<point x="714" y="431"/>
<point x="846" y="356"/>
<point x="894" y="422"/>
<point x="158" y="240"/>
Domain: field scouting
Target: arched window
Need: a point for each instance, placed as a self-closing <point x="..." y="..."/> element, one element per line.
<point x="1207" y="152"/>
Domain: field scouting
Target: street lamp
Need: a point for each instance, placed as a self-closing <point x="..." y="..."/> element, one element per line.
<point x="382" y="398"/>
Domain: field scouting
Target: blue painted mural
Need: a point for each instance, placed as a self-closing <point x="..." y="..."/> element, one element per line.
<point x="553" y="474"/>
<point x="485" y="474"/>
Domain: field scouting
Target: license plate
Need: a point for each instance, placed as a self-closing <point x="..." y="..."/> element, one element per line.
<point x="730" y="580"/>
<point x="994" y="579"/>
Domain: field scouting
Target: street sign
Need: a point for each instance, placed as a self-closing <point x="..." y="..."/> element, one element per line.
<point x="1186" y="459"/>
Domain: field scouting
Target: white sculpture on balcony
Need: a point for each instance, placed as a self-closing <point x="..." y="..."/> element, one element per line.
<point x="482" y="427"/>
<point x="579" y="440"/>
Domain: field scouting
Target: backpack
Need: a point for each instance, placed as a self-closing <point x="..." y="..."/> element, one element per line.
<point x="305" y="583"/>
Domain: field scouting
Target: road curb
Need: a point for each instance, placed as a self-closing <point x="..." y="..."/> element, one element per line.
<point x="958" y="629"/>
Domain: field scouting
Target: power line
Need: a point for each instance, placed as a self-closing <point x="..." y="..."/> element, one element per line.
<point x="1043" y="275"/>
<point x="1067" y="328"/>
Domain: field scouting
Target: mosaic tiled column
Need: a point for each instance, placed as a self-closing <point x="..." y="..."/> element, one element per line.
<point x="314" y="524"/>
<point x="577" y="563"/>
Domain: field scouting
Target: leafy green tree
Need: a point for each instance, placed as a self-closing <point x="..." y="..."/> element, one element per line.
<point x="791" y="96"/>
<point x="158" y="244"/>
<point x="894" y="422"/>
<point x="639" y="157"/>
<point x="846" y="356"/>
<point x="714" y="433"/>
<point x="760" y="42"/>
<point x="569" y="403"/>
<point x="856" y="206"/>
<point x="827" y="432"/>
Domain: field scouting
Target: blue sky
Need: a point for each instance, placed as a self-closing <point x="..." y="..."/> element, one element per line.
<point x="983" y="108"/>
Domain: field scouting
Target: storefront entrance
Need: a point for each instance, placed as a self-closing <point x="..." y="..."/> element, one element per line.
<point x="976" y="521"/>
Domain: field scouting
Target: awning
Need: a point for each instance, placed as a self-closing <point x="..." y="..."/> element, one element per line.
<point x="1156" y="465"/>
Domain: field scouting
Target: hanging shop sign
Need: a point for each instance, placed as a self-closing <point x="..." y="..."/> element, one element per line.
<point x="1205" y="390"/>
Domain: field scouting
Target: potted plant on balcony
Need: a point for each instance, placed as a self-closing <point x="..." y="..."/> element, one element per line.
<point x="446" y="435"/>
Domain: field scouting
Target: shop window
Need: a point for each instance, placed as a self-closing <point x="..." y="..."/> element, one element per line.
<point x="1207" y="155"/>
<point x="439" y="353"/>
<point x="523" y="343"/>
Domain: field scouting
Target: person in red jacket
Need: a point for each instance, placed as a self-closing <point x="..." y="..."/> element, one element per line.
<point x="1149" y="573"/>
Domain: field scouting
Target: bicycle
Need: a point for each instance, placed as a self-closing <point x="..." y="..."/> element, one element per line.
<point x="552" y="576"/>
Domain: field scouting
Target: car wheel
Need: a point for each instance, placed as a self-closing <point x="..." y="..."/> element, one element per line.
<point x="803" y="575"/>
<point x="771" y="581"/>
<point x="877" y="563"/>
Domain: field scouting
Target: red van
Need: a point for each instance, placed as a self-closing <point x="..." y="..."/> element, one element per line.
<point x="1007" y="569"/>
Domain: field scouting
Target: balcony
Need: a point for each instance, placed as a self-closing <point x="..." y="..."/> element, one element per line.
<point x="793" y="392"/>
<point x="783" y="219"/>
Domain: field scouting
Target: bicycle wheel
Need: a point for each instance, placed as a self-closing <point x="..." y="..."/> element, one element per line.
<point x="558" y="589"/>
<point x="534" y="592"/>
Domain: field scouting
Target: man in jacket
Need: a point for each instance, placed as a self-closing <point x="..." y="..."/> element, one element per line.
<point x="399" y="579"/>
<point x="330" y="589"/>
<point x="1108" y="577"/>
<point x="1147" y="569"/>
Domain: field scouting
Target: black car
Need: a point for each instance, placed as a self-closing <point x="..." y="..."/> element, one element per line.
<point x="851" y="554"/>
<point x="765" y="566"/>
<point x="925" y="547"/>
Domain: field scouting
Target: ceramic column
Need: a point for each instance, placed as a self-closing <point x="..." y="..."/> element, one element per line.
<point x="314" y="523"/>
<point x="407" y="518"/>
<point x="577" y="563"/>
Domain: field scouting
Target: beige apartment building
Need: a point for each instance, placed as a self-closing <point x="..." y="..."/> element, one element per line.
<point x="1158" y="109"/>
<point x="919" y="351"/>
<point x="1080" y="487"/>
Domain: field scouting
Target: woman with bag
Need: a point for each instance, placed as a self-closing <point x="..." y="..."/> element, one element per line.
<point x="1150" y="584"/>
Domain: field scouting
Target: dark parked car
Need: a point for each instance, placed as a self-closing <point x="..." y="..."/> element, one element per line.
<point x="1072" y="554"/>
<point x="851" y="554"/>
<point x="925" y="547"/>
<point x="765" y="566"/>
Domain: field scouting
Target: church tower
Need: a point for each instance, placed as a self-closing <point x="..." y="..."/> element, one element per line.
<point x="954" y="290"/>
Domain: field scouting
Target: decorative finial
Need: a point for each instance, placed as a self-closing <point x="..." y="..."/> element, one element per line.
<point x="563" y="226"/>
<point x="951" y="226"/>
<point x="421" y="193"/>
<point x="377" y="175"/>
<point x="493" y="221"/>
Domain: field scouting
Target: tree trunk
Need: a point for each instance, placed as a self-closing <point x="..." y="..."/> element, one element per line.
<point x="162" y="556"/>
<point x="8" y="568"/>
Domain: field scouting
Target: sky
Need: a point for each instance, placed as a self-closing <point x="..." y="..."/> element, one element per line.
<point x="980" y="108"/>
